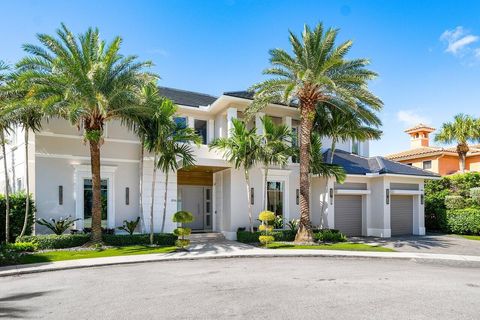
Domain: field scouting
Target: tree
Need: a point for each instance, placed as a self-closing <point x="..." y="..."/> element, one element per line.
<point x="316" y="72"/>
<point x="462" y="130"/>
<point x="88" y="82"/>
<point x="275" y="149"/>
<point x="170" y="143"/>
<point x="5" y="127"/>
<point x="242" y="149"/>
<point x="339" y="124"/>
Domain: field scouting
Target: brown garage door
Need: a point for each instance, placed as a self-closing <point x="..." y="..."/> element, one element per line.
<point x="348" y="214"/>
<point x="401" y="215"/>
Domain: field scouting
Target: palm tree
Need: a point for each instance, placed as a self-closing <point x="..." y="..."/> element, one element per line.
<point x="316" y="72"/>
<point x="5" y="127"/>
<point x="88" y="82"/>
<point x="275" y="149"/>
<point x="242" y="149"/>
<point x="339" y="124"/>
<point x="462" y="130"/>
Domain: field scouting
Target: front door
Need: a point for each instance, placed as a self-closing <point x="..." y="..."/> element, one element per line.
<point x="193" y="201"/>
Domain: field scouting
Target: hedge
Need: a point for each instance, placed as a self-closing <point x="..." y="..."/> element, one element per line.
<point x="279" y="235"/>
<point x="464" y="221"/>
<point x="53" y="241"/>
<point x="455" y="202"/>
<point x="17" y="215"/>
<point x="329" y="235"/>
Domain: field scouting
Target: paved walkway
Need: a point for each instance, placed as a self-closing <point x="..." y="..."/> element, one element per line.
<point x="222" y="249"/>
<point x="431" y="243"/>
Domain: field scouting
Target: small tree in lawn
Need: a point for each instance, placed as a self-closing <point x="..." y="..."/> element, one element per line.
<point x="181" y="217"/>
<point x="266" y="217"/>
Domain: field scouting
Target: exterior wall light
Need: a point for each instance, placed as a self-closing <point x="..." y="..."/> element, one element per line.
<point x="331" y="195"/>
<point x="422" y="199"/>
<point x="297" y="199"/>
<point x="127" y="196"/>
<point x="252" y="196"/>
<point x="387" y="196"/>
<point x="60" y="195"/>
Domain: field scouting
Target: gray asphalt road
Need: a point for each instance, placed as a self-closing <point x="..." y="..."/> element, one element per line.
<point x="261" y="288"/>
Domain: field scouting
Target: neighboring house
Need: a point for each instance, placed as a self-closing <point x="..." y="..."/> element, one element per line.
<point x="443" y="161"/>
<point x="379" y="198"/>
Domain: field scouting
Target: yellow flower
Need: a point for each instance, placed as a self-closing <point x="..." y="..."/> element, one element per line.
<point x="266" y="239"/>
<point x="266" y="216"/>
<point x="264" y="227"/>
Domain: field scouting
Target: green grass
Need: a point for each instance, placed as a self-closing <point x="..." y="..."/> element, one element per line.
<point x="61" y="255"/>
<point x="470" y="237"/>
<point x="334" y="246"/>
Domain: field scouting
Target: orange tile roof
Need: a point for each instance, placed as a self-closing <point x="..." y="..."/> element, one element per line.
<point x="420" y="126"/>
<point x="429" y="151"/>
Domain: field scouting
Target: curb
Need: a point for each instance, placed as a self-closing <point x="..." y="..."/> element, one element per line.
<point x="472" y="261"/>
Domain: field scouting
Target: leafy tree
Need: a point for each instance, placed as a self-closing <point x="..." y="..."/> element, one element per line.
<point x="461" y="131"/>
<point x="242" y="149"/>
<point x="317" y="72"/>
<point x="88" y="82"/>
<point x="275" y="148"/>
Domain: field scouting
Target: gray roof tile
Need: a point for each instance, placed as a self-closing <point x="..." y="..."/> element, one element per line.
<point x="187" y="98"/>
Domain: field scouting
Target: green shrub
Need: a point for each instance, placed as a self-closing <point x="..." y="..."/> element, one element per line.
<point x="53" y="241"/>
<point x="161" y="239"/>
<point x="329" y="235"/>
<point x="455" y="202"/>
<point x="22" y="246"/>
<point x="475" y="195"/>
<point x="279" y="235"/>
<point x="182" y="217"/>
<point x="8" y="256"/>
<point x="17" y="215"/>
<point x="129" y="226"/>
<point x="464" y="221"/>
<point x="58" y="226"/>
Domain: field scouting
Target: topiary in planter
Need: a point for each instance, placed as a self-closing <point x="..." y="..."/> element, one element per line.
<point x="180" y="218"/>
<point x="266" y="217"/>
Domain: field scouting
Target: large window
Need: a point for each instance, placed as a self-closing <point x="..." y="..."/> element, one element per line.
<point x="181" y="122"/>
<point x="88" y="201"/>
<point x="355" y="147"/>
<point x="275" y="197"/>
<point x="201" y="129"/>
<point x="427" y="164"/>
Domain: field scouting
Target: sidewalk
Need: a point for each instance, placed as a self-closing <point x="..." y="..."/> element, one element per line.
<point x="230" y="249"/>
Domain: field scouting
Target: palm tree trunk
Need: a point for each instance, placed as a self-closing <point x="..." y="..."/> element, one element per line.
<point x="265" y="198"/>
<point x="7" y="189"/>
<point x="154" y="179"/>
<point x="462" y="156"/>
<point x="247" y="182"/>
<point x="27" y="187"/>
<point x="140" y="187"/>
<point x="96" y="235"/>
<point x="304" y="233"/>
<point x="165" y="202"/>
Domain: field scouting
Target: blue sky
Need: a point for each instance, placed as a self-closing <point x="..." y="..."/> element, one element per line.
<point x="426" y="52"/>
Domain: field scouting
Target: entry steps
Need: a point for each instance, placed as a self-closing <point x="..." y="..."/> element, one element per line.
<point x="207" y="236"/>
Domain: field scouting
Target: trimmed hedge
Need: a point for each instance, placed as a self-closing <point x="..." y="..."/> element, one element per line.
<point x="53" y="241"/>
<point x="455" y="202"/>
<point x="161" y="239"/>
<point x="329" y="235"/>
<point x="17" y="215"/>
<point x="278" y="235"/>
<point x="464" y="221"/>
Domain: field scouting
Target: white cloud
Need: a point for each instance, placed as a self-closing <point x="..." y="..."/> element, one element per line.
<point x="458" y="39"/>
<point x="409" y="118"/>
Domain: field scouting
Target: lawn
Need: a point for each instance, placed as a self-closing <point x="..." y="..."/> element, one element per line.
<point x="334" y="246"/>
<point x="470" y="237"/>
<point x="61" y="255"/>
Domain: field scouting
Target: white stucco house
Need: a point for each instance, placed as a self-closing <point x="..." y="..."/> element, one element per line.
<point x="379" y="198"/>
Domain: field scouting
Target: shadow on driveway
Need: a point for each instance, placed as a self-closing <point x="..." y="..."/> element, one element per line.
<point x="14" y="307"/>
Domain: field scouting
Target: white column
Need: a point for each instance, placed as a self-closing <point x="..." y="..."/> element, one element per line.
<point x="191" y="122"/>
<point x="258" y="122"/>
<point x="211" y="131"/>
<point x="231" y="114"/>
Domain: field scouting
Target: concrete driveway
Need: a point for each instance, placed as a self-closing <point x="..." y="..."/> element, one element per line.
<point x="430" y="243"/>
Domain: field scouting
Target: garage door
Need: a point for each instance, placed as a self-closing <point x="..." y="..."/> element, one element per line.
<point x="401" y="215"/>
<point x="348" y="214"/>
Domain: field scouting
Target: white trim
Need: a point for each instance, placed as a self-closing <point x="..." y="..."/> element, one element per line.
<point x="381" y="233"/>
<point x="71" y="136"/>
<point x="72" y="157"/>
<point x="82" y="172"/>
<point x="279" y="175"/>
<point x="406" y="192"/>
<point x="352" y="192"/>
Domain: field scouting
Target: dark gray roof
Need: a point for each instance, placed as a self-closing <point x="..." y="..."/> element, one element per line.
<point x="187" y="98"/>
<point x="249" y="95"/>
<point x="354" y="164"/>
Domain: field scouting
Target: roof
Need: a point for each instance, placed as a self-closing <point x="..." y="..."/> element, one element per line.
<point x="420" y="127"/>
<point x="430" y="151"/>
<point x="187" y="98"/>
<point x="249" y="96"/>
<point x="354" y="164"/>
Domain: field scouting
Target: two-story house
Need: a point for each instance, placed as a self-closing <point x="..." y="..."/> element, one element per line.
<point x="379" y="198"/>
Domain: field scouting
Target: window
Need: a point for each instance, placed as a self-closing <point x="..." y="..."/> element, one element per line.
<point x="19" y="184"/>
<point x="88" y="201"/>
<point x="181" y="122"/>
<point x="201" y="129"/>
<point x="410" y="164"/>
<point x="275" y="197"/>
<point x="355" y="147"/>
<point x="427" y="164"/>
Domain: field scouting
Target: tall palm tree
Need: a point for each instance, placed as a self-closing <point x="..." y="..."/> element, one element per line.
<point x="242" y="149"/>
<point x="317" y="164"/>
<point x="275" y="149"/>
<point x="5" y="127"/>
<point x="462" y="130"/>
<point x="342" y="125"/>
<point x="88" y="82"/>
<point x="317" y="72"/>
